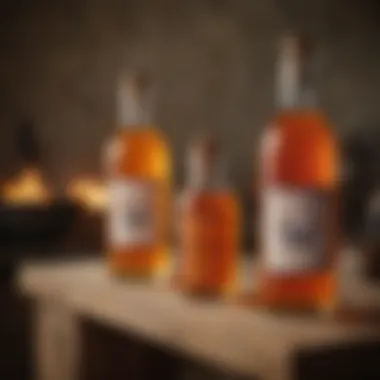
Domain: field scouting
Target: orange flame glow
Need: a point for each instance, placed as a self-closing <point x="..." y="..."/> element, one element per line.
<point x="27" y="188"/>
<point x="90" y="193"/>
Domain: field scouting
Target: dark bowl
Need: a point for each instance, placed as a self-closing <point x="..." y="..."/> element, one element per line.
<point x="33" y="226"/>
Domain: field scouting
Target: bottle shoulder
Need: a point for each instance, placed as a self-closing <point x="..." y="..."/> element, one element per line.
<point x="308" y="123"/>
<point x="300" y="147"/>
<point x="300" y="130"/>
<point x="217" y="197"/>
<point x="147" y="134"/>
<point x="139" y="152"/>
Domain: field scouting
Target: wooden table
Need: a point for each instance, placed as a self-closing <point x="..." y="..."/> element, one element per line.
<point x="248" y="342"/>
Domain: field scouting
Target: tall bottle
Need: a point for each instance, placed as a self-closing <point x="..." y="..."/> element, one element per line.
<point x="298" y="186"/>
<point x="139" y="180"/>
<point x="208" y="225"/>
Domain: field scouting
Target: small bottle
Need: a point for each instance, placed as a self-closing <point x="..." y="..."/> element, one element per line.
<point x="208" y="225"/>
<point x="139" y="170"/>
<point x="299" y="236"/>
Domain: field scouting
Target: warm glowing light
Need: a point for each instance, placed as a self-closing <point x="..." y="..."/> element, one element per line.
<point x="91" y="193"/>
<point x="27" y="188"/>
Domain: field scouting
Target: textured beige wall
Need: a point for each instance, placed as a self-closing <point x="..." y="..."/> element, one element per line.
<point x="213" y="60"/>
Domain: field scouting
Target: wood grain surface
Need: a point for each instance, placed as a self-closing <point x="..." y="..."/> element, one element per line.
<point x="247" y="340"/>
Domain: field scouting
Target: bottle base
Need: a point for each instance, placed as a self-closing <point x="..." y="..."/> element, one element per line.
<point x="139" y="265"/>
<point x="130" y="273"/>
<point x="299" y="310"/>
<point x="307" y="294"/>
<point x="204" y="292"/>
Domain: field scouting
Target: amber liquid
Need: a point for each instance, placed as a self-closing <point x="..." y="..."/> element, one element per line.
<point x="209" y="235"/>
<point x="143" y="155"/>
<point x="302" y="153"/>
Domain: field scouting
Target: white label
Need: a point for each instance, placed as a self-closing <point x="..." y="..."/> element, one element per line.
<point x="131" y="212"/>
<point x="294" y="230"/>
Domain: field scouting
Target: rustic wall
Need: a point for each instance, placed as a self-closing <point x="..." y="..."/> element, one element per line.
<point x="213" y="59"/>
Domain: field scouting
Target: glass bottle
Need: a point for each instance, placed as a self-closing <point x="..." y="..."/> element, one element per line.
<point x="299" y="234"/>
<point x="139" y="174"/>
<point x="208" y="225"/>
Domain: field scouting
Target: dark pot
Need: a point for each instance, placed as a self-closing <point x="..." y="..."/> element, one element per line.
<point x="31" y="226"/>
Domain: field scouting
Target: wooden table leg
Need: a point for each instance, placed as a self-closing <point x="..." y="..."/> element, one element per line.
<point x="57" y="342"/>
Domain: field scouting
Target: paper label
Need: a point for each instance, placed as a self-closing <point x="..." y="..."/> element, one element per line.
<point x="131" y="212"/>
<point x="294" y="230"/>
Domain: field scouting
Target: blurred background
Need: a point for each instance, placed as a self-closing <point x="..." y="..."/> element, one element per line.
<point x="213" y="62"/>
<point x="214" y="66"/>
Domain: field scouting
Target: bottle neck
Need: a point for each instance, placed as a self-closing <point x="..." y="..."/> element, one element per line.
<point x="133" y="104"/>
<point x="203" y="175"/>
<point x="295" y="78"/>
